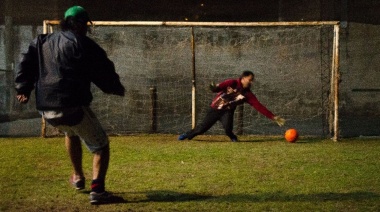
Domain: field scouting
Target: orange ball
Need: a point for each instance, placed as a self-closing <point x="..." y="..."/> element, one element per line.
<point x="291" y="135"/>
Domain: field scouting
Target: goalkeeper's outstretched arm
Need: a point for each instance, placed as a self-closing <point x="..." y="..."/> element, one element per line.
<point x="255" y="103"/>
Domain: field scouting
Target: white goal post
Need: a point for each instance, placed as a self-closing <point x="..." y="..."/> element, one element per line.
<point x="333" y="116"/>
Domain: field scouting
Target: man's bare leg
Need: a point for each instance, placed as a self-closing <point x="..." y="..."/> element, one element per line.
<point x="74" y="149"/>
<point x="100" y="167"/>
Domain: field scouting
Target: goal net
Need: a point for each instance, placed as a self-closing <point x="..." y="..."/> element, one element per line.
<point x="167" y="67"/>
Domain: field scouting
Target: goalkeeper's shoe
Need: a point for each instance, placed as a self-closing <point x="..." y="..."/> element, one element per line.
<point x="182" y="137"/>
<point x="234" y="138"/>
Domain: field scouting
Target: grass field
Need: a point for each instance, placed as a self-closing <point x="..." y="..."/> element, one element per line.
<point x="159" y="173"/>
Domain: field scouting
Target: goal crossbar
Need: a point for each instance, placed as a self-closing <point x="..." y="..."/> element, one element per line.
<point x="214" y="24"/>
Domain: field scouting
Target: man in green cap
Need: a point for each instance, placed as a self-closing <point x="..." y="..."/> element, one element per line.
<point x="79" y="13"/>
<point x="61" y="66"/>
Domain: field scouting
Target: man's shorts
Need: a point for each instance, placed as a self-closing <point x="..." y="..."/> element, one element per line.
<point x="88" y="129"/>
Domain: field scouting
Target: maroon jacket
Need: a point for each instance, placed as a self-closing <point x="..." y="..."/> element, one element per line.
<point x="231" y="93"/>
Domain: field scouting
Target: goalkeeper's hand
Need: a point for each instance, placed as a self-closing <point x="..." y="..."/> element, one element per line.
<point x="280" y="121"/>
<point x="213" y="87"/>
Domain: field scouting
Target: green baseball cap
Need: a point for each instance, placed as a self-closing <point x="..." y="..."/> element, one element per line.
<point x="78" y="13"/>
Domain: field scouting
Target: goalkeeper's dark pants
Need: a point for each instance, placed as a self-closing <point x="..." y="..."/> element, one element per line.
<point x="226" y="117"/>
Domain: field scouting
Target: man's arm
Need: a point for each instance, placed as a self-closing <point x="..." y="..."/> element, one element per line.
<point x="26" y="73"/>
<point x="223" y="85"/>
<point x="255" y="103"/>
<point x="102" y="72"/>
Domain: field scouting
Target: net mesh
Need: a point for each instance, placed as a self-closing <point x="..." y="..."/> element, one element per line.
<point x="292" y="66"/>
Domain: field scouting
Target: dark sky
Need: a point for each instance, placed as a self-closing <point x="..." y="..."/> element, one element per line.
<point x="35" y="11"/>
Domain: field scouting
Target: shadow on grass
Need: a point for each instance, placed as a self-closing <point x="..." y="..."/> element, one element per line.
<point x="282" y="197"/>
<point x="257" y="139"/>
<point x="152" y="196"/>
<point x="301" y="140"/>
<point x="114" y="199"/>
<point x="172" y="196"/>
<point x="226" y="140"/>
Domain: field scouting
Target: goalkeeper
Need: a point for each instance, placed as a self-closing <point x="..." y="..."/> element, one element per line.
<point x="231" y="92"/>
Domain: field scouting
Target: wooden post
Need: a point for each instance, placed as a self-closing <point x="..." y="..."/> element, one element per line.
<point x="9" y="60"/>
<point x="43" y="127"/>
<point x="193" y="93"/>
<point x="335" y="82"/>
<point x="153" y="109"/>
<point x="8" y="51"/>
<point x="45" y="27"/>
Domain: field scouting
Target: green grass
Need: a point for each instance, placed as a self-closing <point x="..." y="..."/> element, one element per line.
<point x="159" y="173"/>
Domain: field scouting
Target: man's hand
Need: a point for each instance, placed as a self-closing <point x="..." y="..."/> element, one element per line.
<point x="280" y="121"/>
<point x="22" y="98"/>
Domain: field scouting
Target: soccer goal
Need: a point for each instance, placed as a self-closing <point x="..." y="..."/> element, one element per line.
<point x="166" y="68"/>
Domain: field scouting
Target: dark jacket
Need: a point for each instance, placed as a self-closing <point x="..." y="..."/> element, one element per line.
<point x="61" y="66"/>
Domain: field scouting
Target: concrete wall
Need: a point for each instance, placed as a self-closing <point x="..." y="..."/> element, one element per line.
<point x="359" y="48"/>
<point x="359" y="94"/>
<point x="360" y="86"/>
